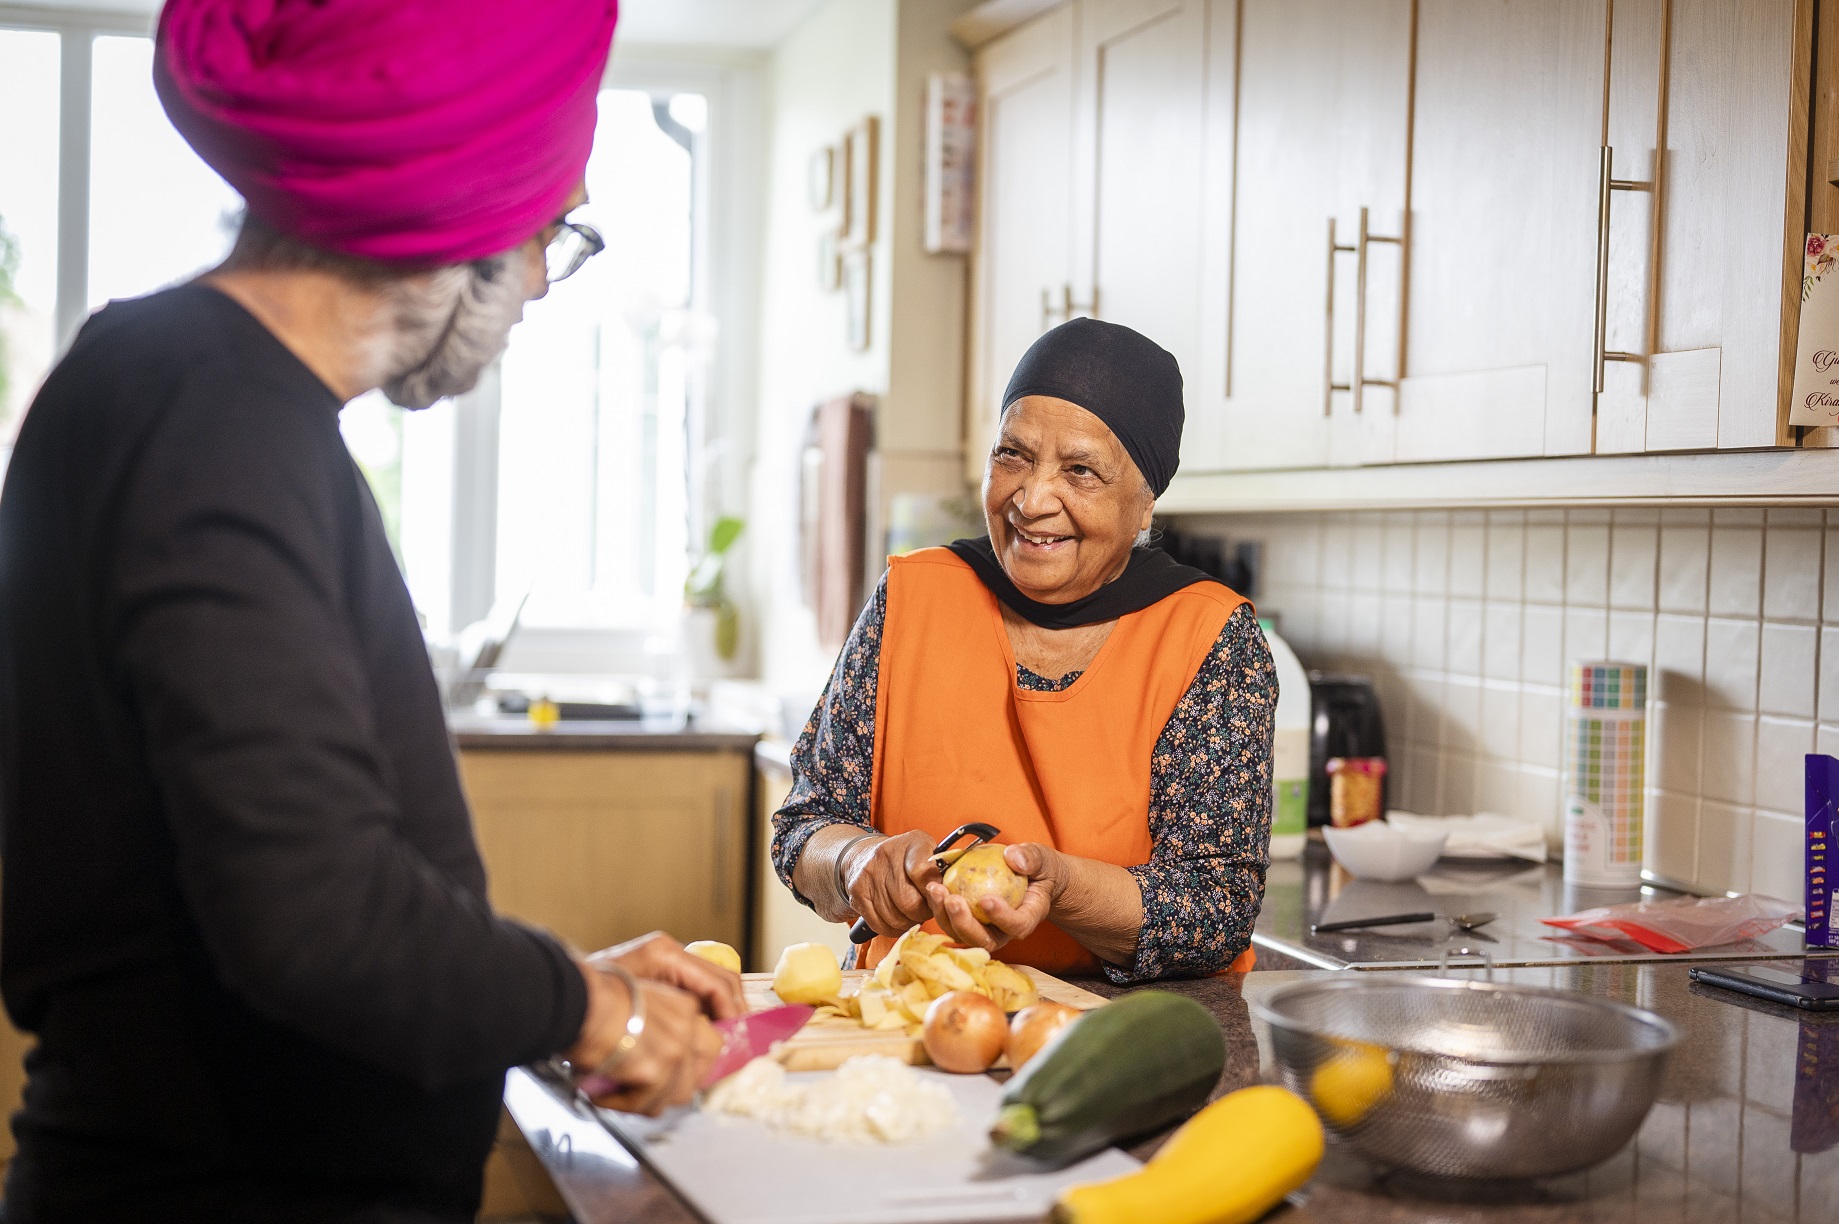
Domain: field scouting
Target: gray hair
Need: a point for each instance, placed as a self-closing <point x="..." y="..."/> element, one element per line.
<point x="447" y="322"/>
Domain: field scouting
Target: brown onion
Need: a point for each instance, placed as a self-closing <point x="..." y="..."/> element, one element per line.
<point x="1033" y="1026"/>
<point x="964" y="1032"/>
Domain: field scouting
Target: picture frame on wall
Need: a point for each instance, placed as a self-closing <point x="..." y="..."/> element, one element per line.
<point x="820" y="179"/>
<point x="861" y="153"/>
<point x="857" y="290"/>
<point x="829" y="263"/>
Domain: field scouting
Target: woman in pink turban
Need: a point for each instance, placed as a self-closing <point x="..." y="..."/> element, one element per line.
<point x="244" y="912"/>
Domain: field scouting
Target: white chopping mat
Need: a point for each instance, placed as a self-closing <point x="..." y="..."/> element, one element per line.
<point x="737" y="1171"/>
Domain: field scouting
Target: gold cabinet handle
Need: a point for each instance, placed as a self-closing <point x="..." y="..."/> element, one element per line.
<point x="1068" y="307"/>
<point x="1360" y="380"/>
<point x="1605" y="184"/>
<point x="1329" y="385"/>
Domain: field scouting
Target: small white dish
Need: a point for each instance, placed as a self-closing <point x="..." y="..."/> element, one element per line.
<point x="1379" y="851"/>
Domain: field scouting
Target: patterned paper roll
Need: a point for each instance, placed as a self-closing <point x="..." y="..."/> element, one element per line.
<point x="1605" y="745"/>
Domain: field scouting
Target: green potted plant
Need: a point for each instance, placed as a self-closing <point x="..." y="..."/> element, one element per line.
<point x="704" y="594"/>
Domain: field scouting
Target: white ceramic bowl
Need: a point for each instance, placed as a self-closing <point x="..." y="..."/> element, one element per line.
<point x="1378" y="851"/>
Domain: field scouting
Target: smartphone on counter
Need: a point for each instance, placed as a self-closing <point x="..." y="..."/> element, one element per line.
<point x="1775" y="985"/>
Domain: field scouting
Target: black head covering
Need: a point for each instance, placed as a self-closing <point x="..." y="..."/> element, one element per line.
<point x="1150" y="576"/>
<point x="1120" y="376"/>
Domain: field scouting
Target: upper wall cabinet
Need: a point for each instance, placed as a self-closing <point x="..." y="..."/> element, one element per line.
<point x="1500" y="314"/>
<point x="1704" y="249"/>
<point x="1383" y="231"/>
<point x="1137" y="206"/>
<point x="1022" y="278"/>
<point x="1308" y="103"/>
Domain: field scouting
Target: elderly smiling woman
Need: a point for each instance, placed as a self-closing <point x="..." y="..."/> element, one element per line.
<point x="1106" y="708"/>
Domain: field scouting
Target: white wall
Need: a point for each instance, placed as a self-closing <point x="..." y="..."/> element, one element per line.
<point x="848" y="60"/>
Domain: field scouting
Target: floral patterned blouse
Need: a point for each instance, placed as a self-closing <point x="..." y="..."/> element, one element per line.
<point x="1209" y="799"/>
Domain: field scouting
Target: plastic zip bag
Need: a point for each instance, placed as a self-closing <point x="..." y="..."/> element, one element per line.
<point x="1680" y="924"/>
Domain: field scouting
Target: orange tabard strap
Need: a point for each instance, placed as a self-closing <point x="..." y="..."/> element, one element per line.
<point x="956" y="740"/>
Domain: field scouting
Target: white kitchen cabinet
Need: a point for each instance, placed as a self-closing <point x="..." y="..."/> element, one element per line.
<point x="1023" y="270"/>
<point x="1138" y="169"/>
<point x="1500" y="322"/>
<point x="1307" y="119"/>
<point x="1205" y="146"/>
<point x="1711" y="300"/>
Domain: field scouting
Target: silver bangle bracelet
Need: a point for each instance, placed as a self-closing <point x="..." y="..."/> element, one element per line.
<point x="842" y="885"/>
<point x="635" y="1023"/>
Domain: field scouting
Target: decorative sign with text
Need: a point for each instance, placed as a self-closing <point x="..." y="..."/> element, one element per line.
<point x="1816" y="356"/>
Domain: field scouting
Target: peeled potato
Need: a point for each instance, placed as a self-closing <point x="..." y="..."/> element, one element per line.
<point x="715" y="953"/>
<point x="982" y="874"/>
<point x="807" y="973"/>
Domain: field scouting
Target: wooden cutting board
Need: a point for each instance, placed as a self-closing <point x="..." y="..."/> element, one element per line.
<point x="827" y="1043"/>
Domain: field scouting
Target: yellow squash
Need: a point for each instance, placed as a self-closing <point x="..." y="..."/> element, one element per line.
<point x="1232" y="1162"/>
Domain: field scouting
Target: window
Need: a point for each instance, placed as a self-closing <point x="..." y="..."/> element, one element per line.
<point x="157" y="213"/>
<point x="28" y="219"/>
<point x="569" y="473"/>
<point x="154" y="214"/>
<point x="599" y="386"/>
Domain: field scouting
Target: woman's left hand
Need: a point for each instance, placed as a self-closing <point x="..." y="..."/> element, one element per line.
<point x="1041" y="865"/>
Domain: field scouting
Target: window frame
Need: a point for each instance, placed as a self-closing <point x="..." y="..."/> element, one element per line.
<point x="77" y="31"/>
<point x="730" y="243"/>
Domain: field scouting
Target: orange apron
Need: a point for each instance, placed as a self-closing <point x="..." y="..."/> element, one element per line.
<point x="956" y="740"/>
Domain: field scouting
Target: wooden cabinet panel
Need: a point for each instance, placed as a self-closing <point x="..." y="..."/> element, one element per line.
<point x="1508" y="118"/>
<point x="1212" y="140"/>
<point x="600" y="847"/>
<point x="1022" y="270"/>
<point x="1309" y="106"/>
<point x="1143" y="77"/>
<point x="1713" y="297"/>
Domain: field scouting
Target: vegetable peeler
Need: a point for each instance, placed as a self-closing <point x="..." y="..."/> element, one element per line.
<point x="944" y="855"/>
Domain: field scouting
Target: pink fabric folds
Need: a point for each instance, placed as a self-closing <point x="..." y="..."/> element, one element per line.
<point x="411" y="131"/>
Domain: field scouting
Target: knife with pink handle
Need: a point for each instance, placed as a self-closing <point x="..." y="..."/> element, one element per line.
<point x="744" y="1038"/>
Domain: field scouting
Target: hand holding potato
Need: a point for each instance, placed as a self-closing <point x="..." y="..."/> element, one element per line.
<point x="1000" y="920"/>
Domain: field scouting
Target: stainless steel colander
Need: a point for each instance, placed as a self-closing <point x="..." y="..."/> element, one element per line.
<point x="1468" y="1079"/>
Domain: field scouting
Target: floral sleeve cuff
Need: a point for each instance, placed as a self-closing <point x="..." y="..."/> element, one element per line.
<point x="1197" y="917"/>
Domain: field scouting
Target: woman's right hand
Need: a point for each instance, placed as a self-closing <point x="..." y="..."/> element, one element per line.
<point x="674" y="1052"/>
<point x="887" y="881"/>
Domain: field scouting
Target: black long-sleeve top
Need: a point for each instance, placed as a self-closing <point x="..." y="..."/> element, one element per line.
<point x="243" y="907"/>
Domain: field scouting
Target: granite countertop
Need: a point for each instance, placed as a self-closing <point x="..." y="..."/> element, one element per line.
<point x="1314" y="889"/>
<point x="1746" y="1127"/>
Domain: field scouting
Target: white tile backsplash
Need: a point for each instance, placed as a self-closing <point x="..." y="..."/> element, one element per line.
<point x="1542" y="649"/>
<point x="1791" y="575"/>
<point x="1729" y="771"/>
<point x="1544" y="563"/>
<point x="1464" y="636"/>
<point x="1786" y="684"/>
<point x="1775" y="851"/>
<point x="1685" y="558"/>
<point x="1506" y="555"/>
<point x="1634" y="554"/>
<point x="1782" y="745"/>
<point x="1736" y="571"/>
<point x="1586" y="564"/>
<point x="1731" y="648"/>
<point x="1468" y="622"/>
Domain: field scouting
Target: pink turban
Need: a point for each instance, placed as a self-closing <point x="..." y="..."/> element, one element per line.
<point x="414" y="131"/>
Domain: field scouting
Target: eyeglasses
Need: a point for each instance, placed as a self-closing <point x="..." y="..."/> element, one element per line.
<point x="573" y="245"/>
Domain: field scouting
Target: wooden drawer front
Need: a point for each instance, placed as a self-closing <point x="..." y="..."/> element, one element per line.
<point x="602" y="846"/>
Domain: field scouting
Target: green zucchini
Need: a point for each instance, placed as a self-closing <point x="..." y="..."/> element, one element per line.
<point x="1129" y="1068"/>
